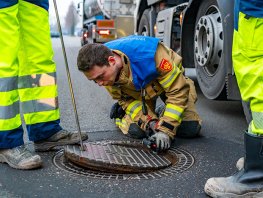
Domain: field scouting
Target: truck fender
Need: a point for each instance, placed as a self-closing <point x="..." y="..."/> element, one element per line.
<point x="164" y="23"/>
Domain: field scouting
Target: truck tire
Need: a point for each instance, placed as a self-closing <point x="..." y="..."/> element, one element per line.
<point x="144" y="25"/>
<point x="208" y="51"/>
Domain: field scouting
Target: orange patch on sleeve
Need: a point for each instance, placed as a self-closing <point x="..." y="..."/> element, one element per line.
<point x="165" y="65"/>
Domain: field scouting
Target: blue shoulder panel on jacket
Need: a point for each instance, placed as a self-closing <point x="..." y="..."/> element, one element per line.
<point x="7" y="3"/>
<point x="41" y="3"/>
<point x="251" y="8"/>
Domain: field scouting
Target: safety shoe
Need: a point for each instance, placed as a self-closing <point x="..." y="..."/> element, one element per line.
<point x="229" y="187"/>
<point x="60" y="138"/>
<point x="20" y="158"/>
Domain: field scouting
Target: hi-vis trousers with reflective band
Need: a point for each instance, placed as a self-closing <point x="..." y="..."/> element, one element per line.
<point x="134" y="111"/>
<point x="248" y="65"/>
<point x="27" y="73"/>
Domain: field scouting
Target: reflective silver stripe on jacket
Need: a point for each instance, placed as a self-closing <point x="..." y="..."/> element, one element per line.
<point x="10" y="111"/>
<point x="8" y="84"/>
<point x="172" y="111"/>
<point x="133" y="108"/>
<point x="29" y="81"/>
<point x="36" y="80"/>
<point x="39" y="105"/>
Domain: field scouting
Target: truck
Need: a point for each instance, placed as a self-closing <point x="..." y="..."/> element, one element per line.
<point x="201" y="31"/>
<point x="106" y="20"/>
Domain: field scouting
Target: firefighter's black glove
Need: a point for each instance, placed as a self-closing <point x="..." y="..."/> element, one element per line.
<point x="163" y="141"/>
<point x="116" y="111"/>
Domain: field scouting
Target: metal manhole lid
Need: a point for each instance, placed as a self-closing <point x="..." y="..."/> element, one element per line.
<point x="185" y="161"/>
<point x="116" y="157"/>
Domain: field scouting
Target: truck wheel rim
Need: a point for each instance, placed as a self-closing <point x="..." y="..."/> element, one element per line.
<point x="208" y="40"/>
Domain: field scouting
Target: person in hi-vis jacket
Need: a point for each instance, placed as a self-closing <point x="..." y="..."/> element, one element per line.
<point x="247" y="54"/>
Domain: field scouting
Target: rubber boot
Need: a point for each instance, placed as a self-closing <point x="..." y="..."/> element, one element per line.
<point x="247" y="182"/>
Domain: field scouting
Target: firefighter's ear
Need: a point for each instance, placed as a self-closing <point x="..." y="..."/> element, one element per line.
<point x="111" y="59"/>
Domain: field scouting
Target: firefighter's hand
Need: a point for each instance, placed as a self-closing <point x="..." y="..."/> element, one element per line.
<point x="117" y="111"/>
<point x="163" y="141"/>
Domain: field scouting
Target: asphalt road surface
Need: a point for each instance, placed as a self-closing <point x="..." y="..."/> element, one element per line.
<point x="215" y="152"/>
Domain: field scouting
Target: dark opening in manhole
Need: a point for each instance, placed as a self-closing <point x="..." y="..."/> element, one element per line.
<point x="121" y="160"/>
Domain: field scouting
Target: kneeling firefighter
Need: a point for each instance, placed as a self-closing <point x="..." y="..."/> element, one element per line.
<point x="136" y="70"/>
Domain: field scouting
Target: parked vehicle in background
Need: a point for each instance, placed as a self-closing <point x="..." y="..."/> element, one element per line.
<point x="54" y="34"/>
<point x="201" y="31"/>
<point x="106" y="20"/>
<point x="84" y="36"/>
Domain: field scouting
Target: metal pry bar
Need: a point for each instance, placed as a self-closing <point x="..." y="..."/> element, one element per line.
<point x="68" y="75"/>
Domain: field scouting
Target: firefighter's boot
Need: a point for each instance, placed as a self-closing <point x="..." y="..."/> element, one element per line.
<point x="248" y="182"/>
<point x="188" y="129"/>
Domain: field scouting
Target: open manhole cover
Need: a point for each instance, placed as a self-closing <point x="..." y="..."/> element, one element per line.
<point x="121" y="160"/>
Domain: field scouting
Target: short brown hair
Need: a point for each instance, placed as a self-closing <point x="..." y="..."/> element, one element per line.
<point x="91" y="55"/>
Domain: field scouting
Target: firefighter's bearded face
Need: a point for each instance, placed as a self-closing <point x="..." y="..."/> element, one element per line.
<point x="104" y="75"/>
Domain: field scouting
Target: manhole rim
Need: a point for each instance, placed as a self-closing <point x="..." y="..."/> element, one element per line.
<point x="186" y="161"/>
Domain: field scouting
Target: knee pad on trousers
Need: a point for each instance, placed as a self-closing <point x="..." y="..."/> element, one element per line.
<point x="188" y="129"/>
<point x="136" y="132"/>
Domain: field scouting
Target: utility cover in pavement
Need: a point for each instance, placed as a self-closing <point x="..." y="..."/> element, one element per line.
<point x="117" y="157"/>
